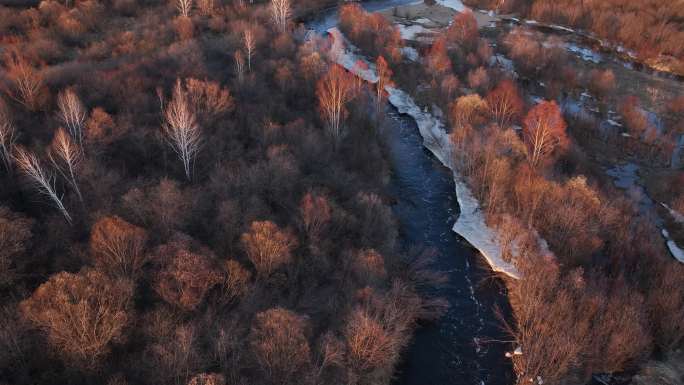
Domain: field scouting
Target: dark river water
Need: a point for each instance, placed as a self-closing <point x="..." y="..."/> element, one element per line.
<point x="464" y="346"/>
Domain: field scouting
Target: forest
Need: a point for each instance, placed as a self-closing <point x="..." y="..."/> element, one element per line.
<point x="601" y="293"/>
<point x="192" y="192"/>
<point x="174" y="211"/>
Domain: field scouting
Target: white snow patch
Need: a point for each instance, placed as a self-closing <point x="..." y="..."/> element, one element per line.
<point x="584" y="53"/>
<point x="470" y="223"/>
<point x="613" y="123"/>
<point x="456" y="5"/>
<point x="410" y="53"/>
<point x="675" y="250"/>
<point x="410" y="32"/>
<point x="676" y="215"/>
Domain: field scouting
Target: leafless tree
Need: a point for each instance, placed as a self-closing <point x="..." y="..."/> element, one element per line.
<point x="81" y="313"/>
<point x="43" y="181"/>
<point x="544" y="131"/>
<point x="250" y="45"/>
<point x="26" y="80"/>
<point x="334" y="91"/>
<point x="66" y="156"/>
<point x="184" y="7"/>
<point x="267" y="246"/>
<point x="280" y="14"/>
<point x="118" y="247"/>
<point x="239" y="67"/>
<point x="7" y="136"/>
<point x="181" y="128"/>
<point x="72" y="113"/>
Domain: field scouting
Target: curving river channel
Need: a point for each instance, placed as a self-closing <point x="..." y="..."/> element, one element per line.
<point x="464" y="346"/>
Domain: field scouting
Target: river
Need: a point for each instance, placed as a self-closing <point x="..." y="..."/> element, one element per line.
<point x="465" y="345"/>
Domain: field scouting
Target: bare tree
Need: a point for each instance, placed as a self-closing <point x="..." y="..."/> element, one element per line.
<point x="184" y="7"/>
<point x="66" y="156"/>
<point x="239" y="67"/>
<point x="81" y="313"/>
<point x="118" y="247"/>
<point x="181" y="128"/>
<point x="334" y="91"/>
<point x="267" y="246"/>
<point x="43" y="181"/>
<point x="280" y="14"/>
<point x="7" y="136"/>
<point x="384" y="80"/>
<point x="26" y="80"/>
<point x="279" y="344"/>
<point x="72" y="113"/>
<point x="250" y="45"/>
<point x="505" y="103"/>
<point x="544" y="131"/>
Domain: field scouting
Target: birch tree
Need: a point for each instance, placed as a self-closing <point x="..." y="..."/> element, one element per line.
<point x="250" y="45"/>
<point x="184" y="7"/>
<point x="334" y="91"/>
<point x="543" y="132"/>
<point x="384" y="80"/>
<point x="26" y="80"/>
<point x="66" y="156"/>
<point x="7" y="136"/>
<point x="181" y="129"/>
<point x="41" y="180"/>
<point x="280" y="14"/>
<point x="72" y="113"/>
<point x="239" y="66"/>
<point x="505" y="103"/>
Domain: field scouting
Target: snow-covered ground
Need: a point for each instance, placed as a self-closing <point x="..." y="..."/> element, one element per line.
<point x="411" y="32"/>
<point x="471" y="223"/>
<point x="456" y="5"/>
<point x="675" y="250"/>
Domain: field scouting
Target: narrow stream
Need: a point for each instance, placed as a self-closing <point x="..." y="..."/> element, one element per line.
<point x="463" y="346"/>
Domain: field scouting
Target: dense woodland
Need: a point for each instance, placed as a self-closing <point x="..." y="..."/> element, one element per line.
<point x="602" y="294"/>
<point x="192" y="194"/>
<point x="175" y="207"/>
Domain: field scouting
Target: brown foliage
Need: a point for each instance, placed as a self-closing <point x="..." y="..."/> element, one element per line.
<point x="268" y="247"/>
<point x="81" y="314"/>
<point x="118" y="247"/>
<point x="505" y="103"/>
<point x="316" y="213"/>
<point x="544" y="132"/>
<point x="279" y="344"/>
<point x="334" y="90"/>
<point x="185" y="277"/>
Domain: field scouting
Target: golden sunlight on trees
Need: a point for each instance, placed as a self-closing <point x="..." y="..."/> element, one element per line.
<point x="469" y="110"/>
<point x="43" y="181"/>
<point x="184" y="7"/>
<point x="334" y="90"/>
<point x="544" y="132"/>
<point x="81" y="314"/>
<point x="370" y="344"/>
<point x="280" y="14"/>
<point x="268" y="247"/>
<point x="66" y="156"/>
<point x="279" y="344"/>
<point x="118" y="247"/>
<point x="249" y="44"/>
<point x="384" y="80"/>
<point x="26" y="81"/>
<point x="505" y="103"/>
<point x="181" y="129"/>
<point x="72" y="114"/>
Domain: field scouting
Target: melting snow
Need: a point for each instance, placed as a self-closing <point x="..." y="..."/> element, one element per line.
<point x="674" y="249"/>
<point x="456" y="5"/>
<point x="410" y="53"/>
<point x="470" y="223"/>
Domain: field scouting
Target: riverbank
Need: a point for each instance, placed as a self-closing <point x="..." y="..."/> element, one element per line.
<point x="470" y="224"/>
